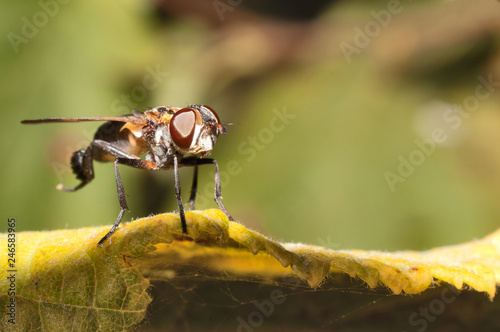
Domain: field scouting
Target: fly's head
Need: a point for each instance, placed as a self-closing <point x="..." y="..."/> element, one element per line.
<point x="195" y="129"/>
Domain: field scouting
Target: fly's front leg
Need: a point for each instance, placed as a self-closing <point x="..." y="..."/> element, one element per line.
<point x="178" y="195"/>
<point x="217" y="192"/>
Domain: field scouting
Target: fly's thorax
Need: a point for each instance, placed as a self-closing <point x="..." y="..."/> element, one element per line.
<point x="160" y="145"/>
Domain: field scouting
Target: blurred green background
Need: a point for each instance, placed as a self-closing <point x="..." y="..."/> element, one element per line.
<point x="334" y="106"/>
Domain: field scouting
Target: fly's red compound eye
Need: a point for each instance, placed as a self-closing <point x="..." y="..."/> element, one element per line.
<point x="213" y="112"/>
<point x="182" y="127"/>
<point x="219" y="129"/>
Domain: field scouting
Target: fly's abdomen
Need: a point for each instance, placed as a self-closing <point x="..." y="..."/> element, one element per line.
<point x="125" y="137"/>
<point x="77" y="166"/>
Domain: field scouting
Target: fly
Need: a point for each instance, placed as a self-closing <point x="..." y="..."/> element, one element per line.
<point x="170" y="136"/>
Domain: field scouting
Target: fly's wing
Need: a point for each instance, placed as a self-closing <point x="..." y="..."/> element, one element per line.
<point x="137" y="113"/>
<point x="137" y="118"/>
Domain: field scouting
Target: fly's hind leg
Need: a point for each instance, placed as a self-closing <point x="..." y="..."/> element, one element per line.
<point x="123" y="204"/>
<point x="124" y="158"/>
<point x="137" y="163"/>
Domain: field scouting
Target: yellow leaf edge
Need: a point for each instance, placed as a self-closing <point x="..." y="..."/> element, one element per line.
<point x="475" y="263"/>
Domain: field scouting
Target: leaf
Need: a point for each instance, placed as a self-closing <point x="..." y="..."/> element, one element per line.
<point x="63" y="281"/>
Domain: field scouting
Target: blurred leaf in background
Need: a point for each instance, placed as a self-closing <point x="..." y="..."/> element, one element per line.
<point x="375" y="122"/>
